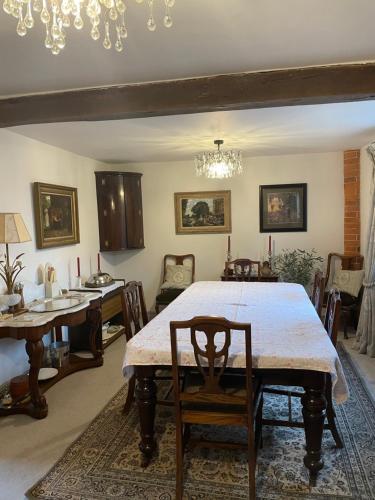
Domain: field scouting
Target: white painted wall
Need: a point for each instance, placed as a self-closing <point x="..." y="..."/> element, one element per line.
<point x="322" y="172"/>
<point x="24" y="161"/>
<point x="366" y="182"/>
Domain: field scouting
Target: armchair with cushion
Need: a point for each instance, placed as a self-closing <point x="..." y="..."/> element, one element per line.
<point x="178" y="274"/>
<point x="345" y="272"/>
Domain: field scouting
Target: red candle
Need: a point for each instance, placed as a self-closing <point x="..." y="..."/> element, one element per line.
<point x="98" y="261"/>
<point x="228" y="244"/>
<point x="269" y="244"/>
<point x="78" y="268"/>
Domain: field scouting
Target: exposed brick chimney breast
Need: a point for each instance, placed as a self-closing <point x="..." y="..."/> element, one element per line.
<point x="352" y="222"/>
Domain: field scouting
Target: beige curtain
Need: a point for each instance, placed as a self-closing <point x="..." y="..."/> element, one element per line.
<point x="365" y="339"/>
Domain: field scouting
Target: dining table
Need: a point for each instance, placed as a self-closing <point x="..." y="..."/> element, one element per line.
<point x="290" y="347"/>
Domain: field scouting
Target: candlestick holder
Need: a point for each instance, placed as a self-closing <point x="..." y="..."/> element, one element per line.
<point x="229" y="257"/>
<point x="270" y="259"/>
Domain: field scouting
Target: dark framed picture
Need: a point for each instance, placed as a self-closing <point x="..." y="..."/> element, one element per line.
<point x="56" y="215"/>
<point x="283" y="208"/>
<point x="203" y="212"/>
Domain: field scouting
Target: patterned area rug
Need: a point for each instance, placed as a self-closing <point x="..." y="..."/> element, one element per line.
<point x="104" y="462"/>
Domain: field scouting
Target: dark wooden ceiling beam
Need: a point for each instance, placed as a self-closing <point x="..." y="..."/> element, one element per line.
<point x="289" y="87"/>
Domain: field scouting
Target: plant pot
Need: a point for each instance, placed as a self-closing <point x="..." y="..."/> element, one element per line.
<point x="10" y="300"/>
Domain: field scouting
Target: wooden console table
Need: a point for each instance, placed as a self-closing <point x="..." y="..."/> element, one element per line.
<point x="88" y="312"/>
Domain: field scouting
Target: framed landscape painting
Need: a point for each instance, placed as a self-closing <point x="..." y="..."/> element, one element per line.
<point x="203" y="212"/>
<point x="283" y="208"/>
<point x="56" y="215"/>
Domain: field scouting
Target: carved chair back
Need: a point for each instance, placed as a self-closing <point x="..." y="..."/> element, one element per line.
<point x="241" y="269"/>
<point x="187" y="260"/>
<point x="134" y="308"/>
<point x="332" y="317"/>
<point x="317" y="296"/>
<point x="211" y="338"/>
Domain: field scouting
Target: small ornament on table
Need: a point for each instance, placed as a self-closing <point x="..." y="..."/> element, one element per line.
<point x="20" y="307"/>
<point x="265" y="269"/>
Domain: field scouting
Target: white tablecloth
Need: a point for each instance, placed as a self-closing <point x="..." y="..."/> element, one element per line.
<point x="286" y="332"/>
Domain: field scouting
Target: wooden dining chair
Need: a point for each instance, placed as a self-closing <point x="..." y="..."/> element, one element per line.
<point x="135" y="318"/>
<point x="240" y="269"/>
<point x="331" y="324"/>
<point x="210" y="394"/>
<point x="168" y="292"/>
<point x="318" y="292"/>
<point x="350" y="306"/>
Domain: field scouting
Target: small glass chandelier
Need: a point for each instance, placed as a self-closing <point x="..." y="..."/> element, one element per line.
<point x="106" y="16"/>
<point x="219" y="164"/>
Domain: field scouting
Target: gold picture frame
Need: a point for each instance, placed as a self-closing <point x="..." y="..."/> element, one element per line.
<point x="203" y="212"/>
<point x="56" y="215"/>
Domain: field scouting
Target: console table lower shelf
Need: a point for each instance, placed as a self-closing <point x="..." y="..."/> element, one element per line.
<point x="35" y="403"/>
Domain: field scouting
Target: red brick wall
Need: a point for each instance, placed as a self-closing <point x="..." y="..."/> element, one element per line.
<point x="352" y="227"/>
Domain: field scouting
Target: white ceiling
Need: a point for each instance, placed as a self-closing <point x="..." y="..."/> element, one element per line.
<point x="288" y="130"/>
<point x="208" y="37"/>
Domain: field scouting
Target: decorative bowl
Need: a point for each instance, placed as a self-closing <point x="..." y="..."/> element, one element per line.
<point x="98" y="280"/>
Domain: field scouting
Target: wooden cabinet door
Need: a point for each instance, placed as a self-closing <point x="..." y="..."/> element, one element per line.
<point x="111" y="212"/>
<point x="133" y="208"/>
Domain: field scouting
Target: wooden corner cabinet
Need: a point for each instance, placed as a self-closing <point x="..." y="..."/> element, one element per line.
<point x="119" y="196"/>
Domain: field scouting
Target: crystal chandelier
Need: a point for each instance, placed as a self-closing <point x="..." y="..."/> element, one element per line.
<point x="219" y="164"/>
<point x="106" y="16"/>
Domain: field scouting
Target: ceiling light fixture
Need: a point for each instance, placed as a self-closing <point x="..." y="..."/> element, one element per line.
<point x="107" y="16"/>
<point x="219" y="164"/>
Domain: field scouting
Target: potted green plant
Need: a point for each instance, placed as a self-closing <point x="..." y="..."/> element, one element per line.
<point x="297" y="266"/>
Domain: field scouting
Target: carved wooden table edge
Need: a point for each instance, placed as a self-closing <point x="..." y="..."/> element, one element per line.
<point x="37" y="406"/>
<point x="313" y="409"/>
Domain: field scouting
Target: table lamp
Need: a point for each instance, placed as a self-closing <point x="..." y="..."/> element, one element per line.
<point x="12" y="230"/>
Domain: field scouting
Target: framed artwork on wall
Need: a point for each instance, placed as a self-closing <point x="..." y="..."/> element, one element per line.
<point x="56" y="215"/>
<point x="202" y="212"/>
<point x="283" y="208"/>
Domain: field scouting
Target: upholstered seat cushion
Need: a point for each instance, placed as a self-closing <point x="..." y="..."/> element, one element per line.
<point x="168" y="295"/>
<point x="177" y="276"/>
<point x="349" y="282"/>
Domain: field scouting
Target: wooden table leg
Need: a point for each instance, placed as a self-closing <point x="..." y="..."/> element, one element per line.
<point x="39" y="407"/>
<point x="58" y="333"/>
<point x="94" y="323"/>
<point x="314" y="406"/>
<point x="146" y="399"/>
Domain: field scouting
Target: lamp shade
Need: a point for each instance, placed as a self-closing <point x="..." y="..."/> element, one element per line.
<point x="13" y="229"/>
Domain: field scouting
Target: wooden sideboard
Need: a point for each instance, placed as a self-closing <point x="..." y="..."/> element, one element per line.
<point x="269" y="279"/>
<point x="111" y="311"/>
<point x="88" y="313"/>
